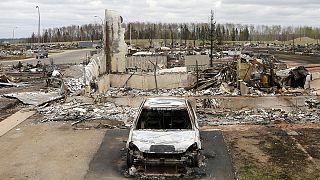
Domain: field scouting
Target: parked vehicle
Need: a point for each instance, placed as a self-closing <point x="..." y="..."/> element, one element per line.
<point x="42" y="53"/>
<point x="165" y="133"/>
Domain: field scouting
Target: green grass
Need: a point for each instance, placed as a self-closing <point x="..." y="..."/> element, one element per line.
<point x="254" y="172"/>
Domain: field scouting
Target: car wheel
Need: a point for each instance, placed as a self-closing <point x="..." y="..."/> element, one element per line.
<point x="129" y="159"/>
<point x="36" y="57"/>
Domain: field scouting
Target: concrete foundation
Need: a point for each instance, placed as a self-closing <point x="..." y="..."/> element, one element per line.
<point x="229" y="103"/>
<point x="147" y="81"/>
<point x="144" y="81"/>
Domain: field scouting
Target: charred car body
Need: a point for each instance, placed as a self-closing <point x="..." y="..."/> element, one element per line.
<point x="41" y="53"/>
<point x="165" y="133"/>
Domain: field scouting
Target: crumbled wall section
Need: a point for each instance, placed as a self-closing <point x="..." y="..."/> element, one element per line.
<point x="95" y="68"/>
<point x="115" y="46"/>
<point x="113" y="59"/>
<point x="103" y="83"/>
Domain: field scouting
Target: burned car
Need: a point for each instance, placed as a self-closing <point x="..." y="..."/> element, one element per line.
<point x="165" y="133"/>
<point x="41" y="53"/>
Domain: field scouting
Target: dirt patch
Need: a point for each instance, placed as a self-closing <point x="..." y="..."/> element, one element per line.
<point x="268" y="152"/>
<point x="9" y="107"/>
<point x="310" y="140"/>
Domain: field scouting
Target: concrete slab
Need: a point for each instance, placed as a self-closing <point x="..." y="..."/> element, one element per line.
<point x="47" y="151"/>
<point x="35" y="98"/>
<point x="110" y="161"/>
<point x="13" y="120"/>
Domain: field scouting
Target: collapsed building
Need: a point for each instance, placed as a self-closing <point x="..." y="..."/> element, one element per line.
<point x="237" y="74"/>
<point x="231" y="74"/>
<point x="111" y="73"/>
<point x="265" y="73"/>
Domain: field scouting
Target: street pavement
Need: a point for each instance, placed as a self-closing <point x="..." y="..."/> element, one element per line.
<point x="110" y="161"/>
<point x="66" y="57"/>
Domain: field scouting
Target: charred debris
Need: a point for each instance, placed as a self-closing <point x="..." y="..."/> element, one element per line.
<point x="253" y="74"/>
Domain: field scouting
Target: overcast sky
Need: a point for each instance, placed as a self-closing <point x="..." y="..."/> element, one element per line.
<point x="55" y="13"/>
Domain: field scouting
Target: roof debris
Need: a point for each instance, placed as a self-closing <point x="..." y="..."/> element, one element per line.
<point x="35" y="98"/>
<point x="75" y="111"/>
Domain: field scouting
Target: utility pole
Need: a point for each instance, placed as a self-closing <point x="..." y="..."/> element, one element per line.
<point x="38" y="24"/>
<point x="130" y="33"/>
<point x="154" y="34"/>
<point x="13" y="33"/>
<point x="102" y="26"/>
<point x="181" y="29"/>
<point x="293" y="44"/>
<point x="300" y="32"/>
<point x="194" y="36"/>
<point x="212" y="26"/>
<point x="185" y="35"/>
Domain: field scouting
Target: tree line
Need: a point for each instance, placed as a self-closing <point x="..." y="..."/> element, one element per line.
<point x="87" y="32"/>
<point x="221" y="32"/>
<point x="171" y="32"/>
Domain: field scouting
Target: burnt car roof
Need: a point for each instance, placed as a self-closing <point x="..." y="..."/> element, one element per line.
<point x="165" y="102"/>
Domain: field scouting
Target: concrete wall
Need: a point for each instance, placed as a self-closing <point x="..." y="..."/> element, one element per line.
<point x="144" y="81"/>
<point x="147" y="81"/>
<point x="95" y="68"/>
<point x="103" y="83"/>
<point x="202" y="60"/>
<point x="144" y="64"/>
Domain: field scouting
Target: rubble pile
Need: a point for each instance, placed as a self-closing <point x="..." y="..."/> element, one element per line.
<point x="222" y="90"/>
<point x="75" y="111"/>
<point x="254" y="74"/>
<point x="256" y="116"/>
<point x="312" y="103"/>
<point x="266" y="74"/>
<point x="117" y="92"/>
<point x="74" y="85"/>
<point x="214" y="77"/>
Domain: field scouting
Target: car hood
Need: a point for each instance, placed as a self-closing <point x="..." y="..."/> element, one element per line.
<point x="173" y="141"/>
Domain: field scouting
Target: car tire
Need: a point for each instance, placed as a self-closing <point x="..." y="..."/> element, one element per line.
<point x="36" y="57"/>
<point x="129" y="159"/>
<point x="197" y="159"/>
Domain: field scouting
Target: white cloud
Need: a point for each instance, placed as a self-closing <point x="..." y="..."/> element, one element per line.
<point x="56" y="13"/>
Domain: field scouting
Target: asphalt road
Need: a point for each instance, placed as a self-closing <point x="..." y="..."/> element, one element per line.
<point x="217" y="158"/>
<point x="302" y="59"/>
<point x="110" y="161"/>
<point x="66" y="57"/>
